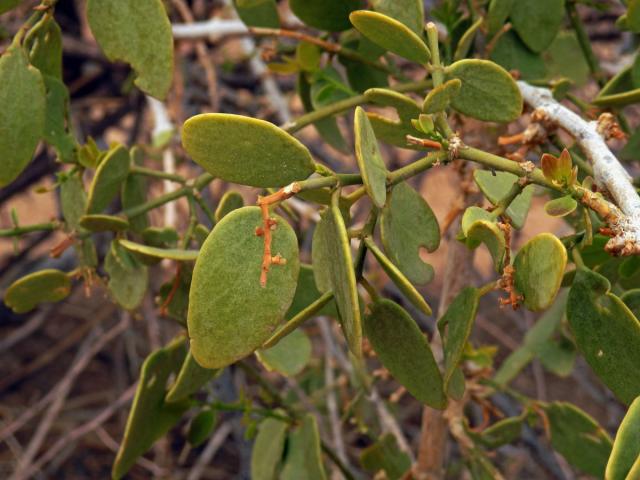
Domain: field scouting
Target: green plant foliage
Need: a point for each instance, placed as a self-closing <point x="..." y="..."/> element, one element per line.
<point x="22" y="112"/>
<point x="539" y="266"/>
<point x="404" y="351"/>
<point x="170" y="253"/>
<point x="466" y="41"/>
<point x="392" y="132"/>
<point x="138" y="33"/>
<point x="46" y="50"/>
<point x="391" y="34"/>
<point x="55" y="131"/>
<point x="403" y="284"/>
<point x="258" y="13"/>
<point x="459" y="319"/>
<point x="384" y="455"/>
<point x="409" y="12"/>
<point x="372" y="168"/>
<point x="488" y="232"/>
<point x="332" y="15"/>
<point x="537" y="21"/>
<point x="408" y="224"/>
<point x="103" y="223"/>
<point x="150" y="417"/>
<point x="128" y="279"/>
<point x="191" y="378"/>
<point x="303" y="458"/>
<point x="268" y="449"/>
<point x="333" y="270"/>
<point x="440" y="97"/>
<point x="229" y="202"/>
<point x="224" y="328"/>
<point x="512" y="54"/>
<point x="488" y="92"/>
<point x="405" y="106"/>
<point x="562" y="61"/>
<point x="497" y="14"/>
<point x="307" y="293"/>
<point x="289" y="356"/>
<point x="579" y="438"/>
<point x="73" y="200"/>
<point x="626" y="447"/>
<point x="108" y="179"/>
<point x="28" y="292"/>
<point x="134" y="193"/>
<point x="246" y="150"/>
<point x="363" y="76"/>
<point x="606" y="332"/>
<point x="632" y="300"/>
<point x="502" y="432"/>
<point x="561" y="207"/>
<point x="6" y="5"/>
<point x="201" y="427"/>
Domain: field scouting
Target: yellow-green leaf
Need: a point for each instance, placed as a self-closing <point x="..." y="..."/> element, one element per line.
<point x="408" y="224"/>
<point x="138" y="33"/>
<point x="108" y="179"/>
<point x="497" y="15"/>
<point x="224" y="328"/>
<point x="496" y="185"/>
<point x="540" y="266"/>
<point x="201" y="427"/>
<point x="246" y="150"/>
<point x="626" y="446"/>
<point x="487" y="93"/>
<point x="170" y="253"/>
<point x="128" y="279"/>
<point x="409" y="12"/>
<point x="289" y="356"/>
<point x="560" y="207"/>
<point x="537" y="21"/>
<point x="391" y="34"/>
<point x="404" y="351"/>
<point x="370" y="163"/>
<point x="303" y="458"/>
<point x="43" y="286"/>
<point x="103" y="223"/>
<point x="22" y="112"/>
<point x="439" y="98"/>
<point x="332" y="15"/>
<point x="191" y="378"/>
<point x="268" y="448"/>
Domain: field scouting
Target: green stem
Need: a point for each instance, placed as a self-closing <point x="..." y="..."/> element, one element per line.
<point x="150" y="172"/>
<point x="362" y="248"/>
<point x="348" y="103"/>
<point x="489" y="287"/>
<point x="37" y="227"/>
<point x="419" y="166"/>
<point x="507" y="200"/>
<point x="432" y="38"/>
<point x="585" y="43"/>
<point x="577" y="257"/>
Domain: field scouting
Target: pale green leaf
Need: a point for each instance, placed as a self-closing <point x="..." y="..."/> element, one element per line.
<point x="43" y="286"/>
<point x="370" y="163"/>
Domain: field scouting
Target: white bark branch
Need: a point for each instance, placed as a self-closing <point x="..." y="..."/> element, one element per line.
<point x="609" y="172"/>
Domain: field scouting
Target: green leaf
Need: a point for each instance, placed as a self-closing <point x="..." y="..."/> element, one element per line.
<point x="472" y="215"/>
<point x="562" y="61"/>
<point x="391" y="34"/>
<point x="440" y="97"/>
<point x="108" y="179"/>
<point x="22" y="112"/>
<point x="6" y="5"/>
<point x="246" y="150"/>
<point x="626" y="446"/>
<point x="224" y="328"/>
<point x="303" y="454"/>
<point x="55" y="131"/>
<point x="392" y="132"/>
<point x="73" y="200"/>
<point x="28" y="292"/>
<point x="579" y="438"/>
<point x="307" y="293"/>
<point x="370" y="163"/>
<point x="496" y="185"/>
<point x="561" y="207"/>
<point x="403" y="284"/>
<point x="409" y="12"/>
<point x="191" y="378"/>
<point x="511" y="54"/>
<point x="289" y="356"/>
<point x="488" y="232"/>
<point x="539" y="266"/>
<point x="497" y="15"/>
<point x="128" y="279"/>
<point x="362" y="76"/>
<point x="103" y="223"/>
<point x="331" y="15"/>
<point x="405" y="106"/>
<point x="138" y="33"/>
<point x="134" y="193"/>
<point x="488" y="92"/>
<point x="150" y="417"/>
<point x="404" y="351"/>
<point x="466" y="41"/>
<point x="170" y="253"/>
<point x="46" y="50"/>
<point x="268" y="449"/>
<point x="408" y="224"/>
<point x="606" y="332"/>
<point x="258" y="13"/>
<point x="503" y="432"/>
<point x="201" y="427"/>
<point x="633" y="15"/>
<point x="229" y="202"/>
<point x="384" y="455"/>
<point x="459" y="317"/>
<point x="537" y="21"/>
<point x="631" y="299"/>
<point x="333" y="269"/>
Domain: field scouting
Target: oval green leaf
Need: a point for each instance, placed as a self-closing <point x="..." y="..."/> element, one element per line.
<point x="289" y="356"/>
<point x="391" y="34"/>
<point x="488" y="232"/>
<point x="138" y="33"/>
<point x="246" y="150"/>
<point x="333" y="271"/>
<point x="626" y="446"/>
<point x="370" y="163"/>
<point x="258" y="13"/>
<point x="128" y="279"/>
<point x="561" y="207"/>
<point x="224" y="328"/>
<point x="404" y="351"/>
<point x="606" y="332"/>
<point x="22" y="112"/>
<point x="439" y="98"/>
<point x="229" y="202"/>
<point x="103" y="223"/>
<point x="49" y="285"/>
<point x="537" y="21"/>
<point x="496" y="185"/>
<point x="170" y="253"/>
<point x="201" y="427"/>
<point x="304" y="459"/>
<point x="487" y="93"/>
<point x="331" y="15"/>
<point x="407" y="224"/>
<point x="409" y="12"/>
<point x="191" y="378"/>
<point x="539" y="266"/>
<point x="268" y="448"/>
<point x="108" y="179"/>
